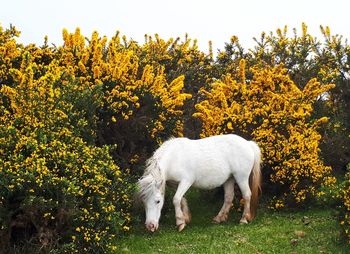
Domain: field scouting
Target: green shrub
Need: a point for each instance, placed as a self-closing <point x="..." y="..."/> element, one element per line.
<point x="57" y="190"/>
<point x="345" y="205"/>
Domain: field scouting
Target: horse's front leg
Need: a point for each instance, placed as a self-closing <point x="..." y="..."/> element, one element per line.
<point x="184" y="205"/>
<point x="229" y="195"/>
<point x="179" y="214"/>
<point x="186" y="210"/>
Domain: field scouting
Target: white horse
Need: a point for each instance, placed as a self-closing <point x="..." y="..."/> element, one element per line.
<point x="206" y="164"/>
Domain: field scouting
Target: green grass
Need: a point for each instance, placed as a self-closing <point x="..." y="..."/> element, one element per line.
<point x="270" y="232"/>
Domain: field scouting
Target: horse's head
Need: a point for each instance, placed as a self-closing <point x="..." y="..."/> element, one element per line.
<point x="152" y="194"/>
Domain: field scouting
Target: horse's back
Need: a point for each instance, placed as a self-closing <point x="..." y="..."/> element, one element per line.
<point x="230" y="151"/>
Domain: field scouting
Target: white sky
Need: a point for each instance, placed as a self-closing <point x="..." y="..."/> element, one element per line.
<point x="215" y="20"/>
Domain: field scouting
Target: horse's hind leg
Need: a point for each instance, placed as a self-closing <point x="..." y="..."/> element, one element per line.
<point x="246" y="193"/>
<point x="185" y="210"/>
<point x="229" y="195"/>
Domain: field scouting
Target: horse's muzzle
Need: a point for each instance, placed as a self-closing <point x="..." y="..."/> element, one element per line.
<point x="151" y="227"/>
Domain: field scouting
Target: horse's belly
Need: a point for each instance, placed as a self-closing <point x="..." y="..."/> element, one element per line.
<point x="210" y="180"/>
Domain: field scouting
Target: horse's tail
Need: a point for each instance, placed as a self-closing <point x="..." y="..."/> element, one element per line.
<point x="255" y="179"/>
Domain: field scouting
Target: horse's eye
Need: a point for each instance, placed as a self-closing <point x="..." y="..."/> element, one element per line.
<point x="158" y="201"/>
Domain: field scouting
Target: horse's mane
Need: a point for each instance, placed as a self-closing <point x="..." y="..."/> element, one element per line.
<point x="152" y="176"/>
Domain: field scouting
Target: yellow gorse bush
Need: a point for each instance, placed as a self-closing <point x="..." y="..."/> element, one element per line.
<point x="53" y="180"/>
<point x="181" y="58"/>
<point x="273" y="111"/>
<point x="56" y="104"/>
<point x="105" y="61"/>
<point x="306" y="57"/>
<point x="136" y="95"/>
<point x="344" y="196"/>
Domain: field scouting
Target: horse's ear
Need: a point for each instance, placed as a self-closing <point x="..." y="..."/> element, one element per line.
<point x="159" y="184"/>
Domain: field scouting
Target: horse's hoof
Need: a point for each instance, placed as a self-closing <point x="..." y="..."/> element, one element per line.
<point x="181" y="227"/>
<point x="188" y="219"/>
<point x="216" y="220"/>
<point x="243" y="222"/>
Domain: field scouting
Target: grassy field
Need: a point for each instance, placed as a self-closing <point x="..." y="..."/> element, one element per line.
<point x="308" y="231"/>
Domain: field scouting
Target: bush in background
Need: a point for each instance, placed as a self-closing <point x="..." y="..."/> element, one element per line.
<point x="305" y="57"/>
<point x="344" y="196"/>
<point x="270" y="109"/>
<point x="57" y="189"/>
<point x="140" y="107"/>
